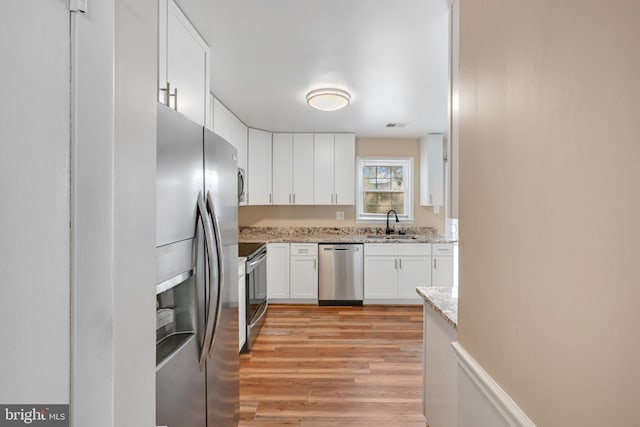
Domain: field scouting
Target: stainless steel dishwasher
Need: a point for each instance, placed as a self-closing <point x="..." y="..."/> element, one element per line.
<point x="340" y="274"/>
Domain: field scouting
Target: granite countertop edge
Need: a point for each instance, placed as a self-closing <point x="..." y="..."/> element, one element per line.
<point x="443" y="303"/>
<point x="335" y="235"/>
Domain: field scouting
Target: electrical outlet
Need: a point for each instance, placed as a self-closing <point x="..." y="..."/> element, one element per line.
<point x="436" y="209"/>
<point x="340" y="215"/>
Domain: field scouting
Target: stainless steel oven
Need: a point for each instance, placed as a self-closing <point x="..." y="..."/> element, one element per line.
<point x="256" y="289"/>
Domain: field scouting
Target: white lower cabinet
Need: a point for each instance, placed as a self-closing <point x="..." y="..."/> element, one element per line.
<point x="277" y="270"/>
<point x="442" y="265"/>
<point x="303" y="271"/>
<point x="392" y="271"/>
<point x="292" y="272"/>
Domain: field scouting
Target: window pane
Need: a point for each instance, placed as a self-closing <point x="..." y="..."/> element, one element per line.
<point x="380" y="203"/>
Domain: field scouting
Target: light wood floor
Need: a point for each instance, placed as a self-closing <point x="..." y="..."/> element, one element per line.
<point x="335" y="367"/>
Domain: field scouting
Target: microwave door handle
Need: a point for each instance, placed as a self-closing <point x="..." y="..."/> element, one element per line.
<point x="220" y="262"/>
<point x="208" y="242"/>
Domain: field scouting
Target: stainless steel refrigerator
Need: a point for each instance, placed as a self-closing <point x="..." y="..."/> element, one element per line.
<point x="197" y="361"/>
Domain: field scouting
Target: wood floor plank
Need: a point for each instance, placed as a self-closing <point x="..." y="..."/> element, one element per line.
<point x="334" y="366"/>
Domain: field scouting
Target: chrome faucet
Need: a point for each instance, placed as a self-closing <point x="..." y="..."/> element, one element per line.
<point x="391" y="230"/>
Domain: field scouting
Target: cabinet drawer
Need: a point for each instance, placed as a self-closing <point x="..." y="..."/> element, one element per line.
<point x="414" y="249"/>
<point x="304" y="249"/>
<point x="380" y="249"/>
<point x="442" y="249"/>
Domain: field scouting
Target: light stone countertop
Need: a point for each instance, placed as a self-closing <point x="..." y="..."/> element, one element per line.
<point x="444" y="301"/>
<point x="338" y="235"/>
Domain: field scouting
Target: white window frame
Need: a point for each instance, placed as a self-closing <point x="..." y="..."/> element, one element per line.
<point x="406" y="162"/>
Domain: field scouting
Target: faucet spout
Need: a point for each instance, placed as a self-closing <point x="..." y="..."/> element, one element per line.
<point x="389" y="230"/>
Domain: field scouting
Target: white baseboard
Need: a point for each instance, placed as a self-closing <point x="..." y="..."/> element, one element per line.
<point x="492" y="396"/>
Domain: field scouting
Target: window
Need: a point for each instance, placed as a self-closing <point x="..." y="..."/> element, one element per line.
<point x="384" y="184"/>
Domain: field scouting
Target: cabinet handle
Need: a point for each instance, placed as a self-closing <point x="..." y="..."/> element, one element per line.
<point x="270" y="198"/>
<point x="331" y="198"/>
<point x="395" y="263"/>
<point x="175" y="98"/>
<point x="336" y="198"/>
<point x="294" y="198"/>
<point x="167" y="92"/>
<point x="400" y="262"/>
<point x="315" y="263"/>
<point x="435" y="264"/>
<point x="289" y="198"/>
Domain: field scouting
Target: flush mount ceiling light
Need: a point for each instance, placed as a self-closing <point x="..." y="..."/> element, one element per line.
<point x="328" y="99"/>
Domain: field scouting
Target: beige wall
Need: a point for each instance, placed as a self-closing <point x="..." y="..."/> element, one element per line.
<point x="324" y="216"/>
<point x="550" y="205"/>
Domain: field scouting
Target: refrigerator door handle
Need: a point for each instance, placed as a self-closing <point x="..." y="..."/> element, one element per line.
<point x="209" y="244"/>
<point x="218" y="243"/>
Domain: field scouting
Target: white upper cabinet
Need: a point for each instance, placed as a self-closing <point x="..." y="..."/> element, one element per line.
<point x="345" y="169"/>
<point x="259" y="167"/>
<point x="432" y="170"/>
<point x="323" y="168"/>
<point x="334" y="169"/>
<point x="228" y="126"/>
<point x="183" y="65"/>
<point x="282" y="165"/>
<point x="302" y="184"/>
<point x="292" y="169"/>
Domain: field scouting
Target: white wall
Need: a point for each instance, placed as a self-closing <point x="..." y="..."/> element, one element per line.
<point x="115" y="73"/>
<point x="549" y="205"/>
<point x="34" y="206"/>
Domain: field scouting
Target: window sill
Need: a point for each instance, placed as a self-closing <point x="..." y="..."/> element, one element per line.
<point x="384" y="221"/>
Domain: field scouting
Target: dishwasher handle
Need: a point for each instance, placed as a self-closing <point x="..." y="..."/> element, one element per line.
<point x="341" y="249"/>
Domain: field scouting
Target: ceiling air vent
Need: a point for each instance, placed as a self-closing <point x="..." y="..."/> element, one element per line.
<point x="396" y="125"/>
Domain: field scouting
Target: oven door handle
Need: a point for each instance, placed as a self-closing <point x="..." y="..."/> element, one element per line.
<point x="253" y="263"/>
<point x="262" y="313"/>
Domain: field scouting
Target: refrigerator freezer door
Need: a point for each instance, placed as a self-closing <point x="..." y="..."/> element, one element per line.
<point x="179" y="176"/>
<point x="223" y="364"/>
<point x="180" y="390"/>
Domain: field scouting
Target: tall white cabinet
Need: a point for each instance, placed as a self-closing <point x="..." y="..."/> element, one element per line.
<point x="231" y="128"/>
<point x="259" y="190"/>
<point x="183" y="65"/>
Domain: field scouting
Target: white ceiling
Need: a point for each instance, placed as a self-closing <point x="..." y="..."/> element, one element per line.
<point x="391" y="56"/>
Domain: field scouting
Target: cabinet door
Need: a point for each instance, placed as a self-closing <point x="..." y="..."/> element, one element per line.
<point x="442" y="271"/>
<point x="278" y="270"/>
<point x="413" y="272"/>
<point x="345" y="169"/>
<point x="380" y="277"/>
<point x="183" y="63"/>
<point x="432" y="170"/>
<point x="241" y="143"/>
<point x="323" y="169"/>
<point x="282" y="157"/>
<point x="303" y="164"/>
<point x="222" y="121"/>
<point x="259" y="168"/>
<point x="304" y="277"/>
